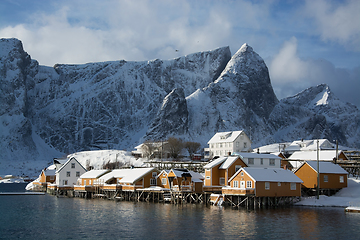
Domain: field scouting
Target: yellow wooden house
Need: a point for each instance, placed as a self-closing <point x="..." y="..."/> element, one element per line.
<point x="264" y="182"/>
<point x="332" y="176"/>
<point x="219" y="171"/>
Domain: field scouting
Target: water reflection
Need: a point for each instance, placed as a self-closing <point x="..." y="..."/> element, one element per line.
<point x="32" y="217"/>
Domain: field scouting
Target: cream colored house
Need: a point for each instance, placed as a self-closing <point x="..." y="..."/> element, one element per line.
<point x="226" y="143"/>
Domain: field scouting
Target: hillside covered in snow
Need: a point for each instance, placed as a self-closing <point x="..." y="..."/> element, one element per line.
<point x="49" y="112"/>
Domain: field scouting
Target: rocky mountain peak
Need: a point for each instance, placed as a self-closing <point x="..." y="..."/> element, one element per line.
<point x="172" y="118"/>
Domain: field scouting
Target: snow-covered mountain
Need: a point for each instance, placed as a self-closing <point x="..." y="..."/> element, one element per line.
<point x="50" y="111"/>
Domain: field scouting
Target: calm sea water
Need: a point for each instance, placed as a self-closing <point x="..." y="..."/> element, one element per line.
<point x="49" y="217"/>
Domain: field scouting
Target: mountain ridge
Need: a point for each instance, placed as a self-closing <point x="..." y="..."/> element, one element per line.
<point x="118" y="104"/>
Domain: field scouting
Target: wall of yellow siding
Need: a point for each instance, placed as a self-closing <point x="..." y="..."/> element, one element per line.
<point x="277" y="191"/>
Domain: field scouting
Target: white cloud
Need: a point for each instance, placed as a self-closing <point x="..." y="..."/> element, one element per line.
<point x="336" y="21"/>
<point x="286" y="65"/>
<point x="290" y="74"/>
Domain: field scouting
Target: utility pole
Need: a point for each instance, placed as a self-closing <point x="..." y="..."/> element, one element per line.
<point x="318" y="170"/>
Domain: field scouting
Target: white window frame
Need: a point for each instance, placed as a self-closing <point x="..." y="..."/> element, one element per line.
<point x="163" y="181"/>
<point x="236" y="184"/>
<point x="78" y="174"/>
<point x="152" y="181"/>
<point x="261" y="161"/>
<point x="279" y="184"/>
<point x="292" y="186"/>
<point x="68" y="174"/>
<point x="251" y="161"/>
<point x="248" y="184"/>
<point x="65" y="182"/>
<point x="267" y="185"/>
<point x="154" y="174"/>
<point x="272" y="162"/>
<point x="341" y="179"/>
<point x="72" y="165"/>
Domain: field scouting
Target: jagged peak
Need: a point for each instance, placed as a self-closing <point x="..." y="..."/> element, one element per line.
<point x="8" y="44"/>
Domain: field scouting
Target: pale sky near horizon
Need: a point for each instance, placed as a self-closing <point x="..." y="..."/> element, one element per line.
<point x="304" y="43"/>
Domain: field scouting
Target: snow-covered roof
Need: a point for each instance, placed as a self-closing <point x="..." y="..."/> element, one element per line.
<point x="49" y="172"/>
<point x="326" y="167"/>
<point x="215" y="162"/>
<point x="228" y="162"/>
<point x="195" y="176"/>
<point x="324" y="155"/>
<point x="256" y="155"/>
<point x="72" y="159"/>
<point x="225" y="136"/>
<point x="127" y="175"/>
<point x="94" y="173"/>
<point x="135" y="174"/>
<point x="309" y="145"/>
<point x="269" y="175"/>
<point x="272" y="148"/>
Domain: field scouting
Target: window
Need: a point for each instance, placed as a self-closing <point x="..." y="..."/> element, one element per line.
<point x="154" y="174"/>
<point x="237" y="167"/>
<point x="152" y="181"/>
<point x="72" y="165"/>
<point x="248" y="184"/>
<point x="237" y="144"/>
<point x="222" y="181"/>
<point x="341" y="179"/>
<point x="164" y="174"/>
<point x="207" y="177"/>
<point x="272" y="162"/>
<point x="261" y="161"/>
<point x="221" y="145"/>
<point x="89" y="182"/>
<point x="251" y="161"/>
<point x="85" y="182"/>
<point x="53" y="177"/>
<point x="236" y="184"/>
<point x="77" y="174"/>
<point x="292" y="186"/>
<point x="245" y="145"/>
<point x="68" y="174"/>
<point x="267" y="186"/>
<point x="326" y="179"/>
<point x="65" y="182"/>
<point x="242" y="173"/>
<point x="163" y="181"/>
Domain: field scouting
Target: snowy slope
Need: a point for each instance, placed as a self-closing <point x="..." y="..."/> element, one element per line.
<point x="49" y="112"/>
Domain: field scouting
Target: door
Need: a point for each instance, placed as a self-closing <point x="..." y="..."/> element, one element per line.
<point x="242" y="184"/>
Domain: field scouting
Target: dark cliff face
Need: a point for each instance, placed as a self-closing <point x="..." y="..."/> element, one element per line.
<point x="172" y="118"/>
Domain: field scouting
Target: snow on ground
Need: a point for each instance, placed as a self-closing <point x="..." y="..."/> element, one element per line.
<point x="346" y="197"/>
<point x="99" y="158"/>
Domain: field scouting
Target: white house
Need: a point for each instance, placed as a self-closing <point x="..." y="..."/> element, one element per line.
<point x="226" y="143"/>
<point x="68" y="173"/>
<point x="260" y="160"/>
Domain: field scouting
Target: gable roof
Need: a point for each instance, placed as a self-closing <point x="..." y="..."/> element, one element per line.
<point x="94" y="173"/>
<point x="215" y="162"/>
<point x="325" y="167"/>
<point x="225" y="136"/>
<point x="130" y="175"/>
<point x="324" y="155"/>
<point x="229" y="161"/>
<point x="269" y="175"/>
<point x="67" y="162"/>
<point x="256" y="155"/>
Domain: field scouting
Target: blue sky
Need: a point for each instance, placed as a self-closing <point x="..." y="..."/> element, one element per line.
<point x="304" y="43"/>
